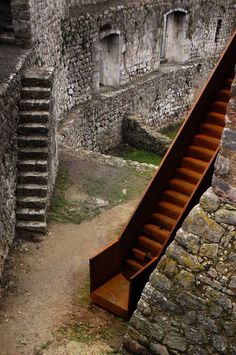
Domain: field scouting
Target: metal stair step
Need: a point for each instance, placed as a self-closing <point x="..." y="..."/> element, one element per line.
<point x="204" y="154"/>
<point x="169" y="209"/>
<point x="150" y="244"/>
<point x="157" y="233"/>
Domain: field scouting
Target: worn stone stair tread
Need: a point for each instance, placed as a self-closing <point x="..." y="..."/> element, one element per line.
<point x="32" y="161"/>
<point x="31" y="201"/>
<point x="33" y="125"/>
<point x="33" y="152"/>
<point x="33" y="149"/>
<point x="37" y="73"/>
<point x="204" y="154"/>
<point x="33" y="177"/>
<point x="36" y="88"/>
<point x="34" y="226"/>
<point x="30" y="210"/>
<point x="194" y="163"/>
<point x="175" y="197"/>
<point x="181" y="186"/>
<point x="216" y="118"/>
<point x="31" y="214"/>
<point x="33" y="173"/>
<point x="212" y="129"/>
<point x="158" y="233"/>
<point x="169" y="209"/>
<point x="149" y="244"/>
<point x="32" y="137"/>
<point x="188" y="175"/>
<point x="163" y="221"/>
<point x="31" y="186"/>
<point x="33" y="113"/>
<point x="32" y="141"/>
<point x="33" y="101"/>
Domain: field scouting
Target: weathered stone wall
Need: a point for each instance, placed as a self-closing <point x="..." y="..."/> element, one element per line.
<point x="47" y="38"/>
<point x="189" y="304"/>
<point x="69" y="40"/>
<point x="142" y="137"/>
<point x="21" y="20"/>
<point x="9" y="99"/>
<point x="96" y="124"/>
<point x="140" y="27"/>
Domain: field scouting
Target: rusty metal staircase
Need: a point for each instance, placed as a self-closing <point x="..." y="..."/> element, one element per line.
<point x="119" y="273"/>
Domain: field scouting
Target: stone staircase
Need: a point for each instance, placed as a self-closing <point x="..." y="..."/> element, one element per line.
<point x="33" y="151"/>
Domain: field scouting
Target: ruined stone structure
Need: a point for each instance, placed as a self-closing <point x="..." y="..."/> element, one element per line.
<point x="110" y="59"/>
<point x="188" y="306"/>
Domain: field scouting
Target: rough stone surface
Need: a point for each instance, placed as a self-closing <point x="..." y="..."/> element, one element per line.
<point x="9" y="99"/>
<point x="142" y="137"/>
<point x="191" y="294"/>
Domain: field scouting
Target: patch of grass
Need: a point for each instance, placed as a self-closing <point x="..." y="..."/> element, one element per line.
<point x="89" y="332"/>
<point x="114" y="185"/>
<point x="62" y="210"/>
<point x="171" y="131"/>
<point x="140" y="155"/>
<point x="143" y="156"/>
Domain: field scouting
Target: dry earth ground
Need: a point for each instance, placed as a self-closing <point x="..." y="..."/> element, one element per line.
<point x="45" y="306"/>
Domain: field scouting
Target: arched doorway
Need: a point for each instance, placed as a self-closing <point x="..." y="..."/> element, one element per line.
<point x="110" y="60"/>
<point x="5" y="16"/>
<point x="174" y="36"/>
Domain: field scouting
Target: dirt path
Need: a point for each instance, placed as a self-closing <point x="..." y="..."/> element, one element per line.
<point x="48" y="276"/>
<point x="45" y="306"/>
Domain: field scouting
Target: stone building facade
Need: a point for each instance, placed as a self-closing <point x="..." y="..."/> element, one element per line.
<point x="189" y="305"/>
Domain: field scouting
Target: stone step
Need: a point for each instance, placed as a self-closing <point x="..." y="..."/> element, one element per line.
<point x="31" y="202"/>
<point x="35" y="105"/>
<point x="37" y="227"/>
<point x="32" y="165"/>
<point x="40" y="178"/>
<point x="8" y="38"/>
<point x="31" y="214"/>
<point x="32" y="141"/>
<point x="35" y="93"/>
<point x="31" y="190"/>
<point x="33" y="153"/>
<point x="34" y="116"/>
<point x="37" y="77"/>
<point x="33" y="128"/>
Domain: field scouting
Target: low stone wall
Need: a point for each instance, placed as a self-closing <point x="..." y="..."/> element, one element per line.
<point x="9" y="100"/>
<point x="142" y="137"/>
<point x="188" y="306"/>
<point x="159" y="99"/>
